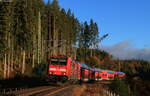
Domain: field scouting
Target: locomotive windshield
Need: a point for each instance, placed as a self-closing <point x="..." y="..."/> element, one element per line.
<point x="58" y="61"/>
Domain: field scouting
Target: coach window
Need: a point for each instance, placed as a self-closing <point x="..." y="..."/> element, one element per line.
<point x="63" y="62"/>
<point x="54" y="61"/>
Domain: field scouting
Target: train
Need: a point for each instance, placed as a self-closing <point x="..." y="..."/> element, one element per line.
<point x="63" y="68"/>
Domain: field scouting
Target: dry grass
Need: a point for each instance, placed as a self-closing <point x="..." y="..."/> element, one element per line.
<point x="85" y="90"/>
<point x="78" y="90"/>
<point x="93" y="90"/>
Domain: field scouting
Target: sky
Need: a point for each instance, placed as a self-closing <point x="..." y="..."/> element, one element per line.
<point x="126" y="21"/>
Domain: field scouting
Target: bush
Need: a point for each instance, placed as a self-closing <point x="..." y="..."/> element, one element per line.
<point x="120" y="87"/>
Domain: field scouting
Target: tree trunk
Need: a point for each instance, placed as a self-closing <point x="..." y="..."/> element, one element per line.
<point x="33" y="63"/>
<point x="12" y="62"/>
<point x="23" y="62"/>
<point x="8" y="66"/>
<point x="5" y="66"/>
<point x="39" y="38"/>
<point x="91" y="53"/>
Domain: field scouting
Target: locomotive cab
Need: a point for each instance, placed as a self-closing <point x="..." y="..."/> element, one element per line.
<point x="58" y="69"/>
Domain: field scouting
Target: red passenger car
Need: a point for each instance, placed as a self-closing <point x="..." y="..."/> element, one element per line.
<point x="79" y="71"/>
<point x="85" y="73"/>
<point x="100" y="75"/>
<point x="120" y="74"/>
<point x="97" y="74"/>
<point x="91" y="74"/>
<point x="111" y="75"/>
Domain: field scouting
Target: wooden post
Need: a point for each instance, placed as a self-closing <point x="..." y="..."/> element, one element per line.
<point x="106" y="93"/>
<point x="111" y="94"/>
<point x="114" y="94"/>
<point x="129" y="90"/>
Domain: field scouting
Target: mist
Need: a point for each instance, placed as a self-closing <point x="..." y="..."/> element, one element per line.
<point x="125" y="51"/>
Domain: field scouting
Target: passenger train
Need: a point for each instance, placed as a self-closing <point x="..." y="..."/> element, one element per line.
<point x="62" y="69"/>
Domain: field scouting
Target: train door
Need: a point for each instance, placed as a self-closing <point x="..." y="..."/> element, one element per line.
<point x="82" y="74"/>
<point x="99" y="76"/>
<point x="72" y="70"/>
<point x="79" y="71"/>
<point x="105" y="76"/>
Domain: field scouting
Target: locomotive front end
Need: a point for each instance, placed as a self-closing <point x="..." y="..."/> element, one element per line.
<point x="58" y="69"/>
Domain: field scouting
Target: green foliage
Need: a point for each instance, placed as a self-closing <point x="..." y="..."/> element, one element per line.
<point x="5" y="28"/>
<point x="89" y="35"/>
<point x="137" y="73"/>
<point x="55" y="5"/>
<point x="20" y="29"/>
<point x="120" y="87"/>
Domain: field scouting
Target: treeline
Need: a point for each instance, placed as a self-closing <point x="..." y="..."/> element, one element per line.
<point x="31" y="31"/>
<point x="137" y="77"/>
<point x="138" y="72"/>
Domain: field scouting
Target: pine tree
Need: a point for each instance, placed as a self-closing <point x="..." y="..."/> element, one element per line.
<point x="6" y="36"/>
<point x="22" y="30"/>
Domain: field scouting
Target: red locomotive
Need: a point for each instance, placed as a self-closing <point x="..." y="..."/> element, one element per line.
<point x="63" y="68"/>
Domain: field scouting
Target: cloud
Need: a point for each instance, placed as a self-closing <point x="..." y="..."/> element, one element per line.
<point x="124" y="50"/>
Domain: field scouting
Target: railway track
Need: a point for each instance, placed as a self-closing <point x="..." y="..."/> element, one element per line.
<point x="104" y="82"/>
<point x="47" y="90"/>
<point x="40" y="91"/>
<point x="53" y="91"/>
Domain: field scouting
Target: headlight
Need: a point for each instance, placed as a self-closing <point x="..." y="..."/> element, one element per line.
<point x="52" y="69"/>
<point x="62" y="69"/>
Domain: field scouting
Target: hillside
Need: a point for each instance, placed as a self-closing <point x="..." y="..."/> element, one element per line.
<point x="137" y="81"/>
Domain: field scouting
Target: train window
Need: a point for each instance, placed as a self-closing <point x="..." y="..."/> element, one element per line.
<point x="63" y="61"/>
<point x="54" y="61"/>
<point x="58" y="61"/>
<point x="104" y="74"/>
